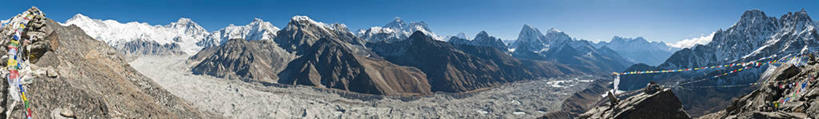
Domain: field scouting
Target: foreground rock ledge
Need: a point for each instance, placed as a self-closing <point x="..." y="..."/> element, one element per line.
<point x="659" y="105"/>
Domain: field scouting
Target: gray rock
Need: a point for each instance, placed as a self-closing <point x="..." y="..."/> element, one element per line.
<point x="51" y="73"/>
<point x="661" y="105"/>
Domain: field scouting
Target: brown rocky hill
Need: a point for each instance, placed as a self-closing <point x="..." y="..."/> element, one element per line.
<point x="77" y="76"/>
<point x="258" y="60"/>
<point x="332" y="57"/>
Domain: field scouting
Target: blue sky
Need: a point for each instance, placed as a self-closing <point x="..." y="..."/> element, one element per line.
<point x="656" y="20"/>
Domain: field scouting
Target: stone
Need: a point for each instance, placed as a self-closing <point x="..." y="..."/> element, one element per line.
<point x="67" y="113"/>
<point x="51" y="73"/>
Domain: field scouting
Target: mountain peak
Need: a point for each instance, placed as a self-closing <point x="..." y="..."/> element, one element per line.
<point x="527" y="27"/>
<point x="754" y="13"/>
<point x="79" y="16"/>
<point x="554" y="30"/>
<point x="461" y="35"/>
<point x="184" y="20"/>
<point x="397" y="23"/>
<point x="797" y="16"/>
<point x="482" y="34"/>
<point x="258" y="20"/>
<point x="300" y="19"/>
<point x="397" y="20"/>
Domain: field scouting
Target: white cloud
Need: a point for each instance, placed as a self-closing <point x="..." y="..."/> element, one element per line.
<point x="687" y="43"/>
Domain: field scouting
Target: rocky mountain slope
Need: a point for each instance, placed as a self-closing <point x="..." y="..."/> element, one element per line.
<point x="81" y="77"/>
<point x="557" y="46"/>
<point x="754" y="36"/>
<point x="450" y="69"/>
<point x="256" y="60"/>
<point x="788" y="91"/>
<point x="639" y="50"/>
<point x="329" y="56"/>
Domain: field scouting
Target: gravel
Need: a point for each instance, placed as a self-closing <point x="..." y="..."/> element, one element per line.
<point x="239" y="99"/>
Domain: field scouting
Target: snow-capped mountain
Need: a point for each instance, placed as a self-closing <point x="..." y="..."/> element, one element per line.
<point x="181" y="35"/>
<point x="639" y="50"/>
<point x="558" y="46"/>
<point x="461" y="35"/>
<point x="754" y="36"/>
<point x="258" y="29"/>
<point x="691" y="42"/>
<point x="395" y="30"/>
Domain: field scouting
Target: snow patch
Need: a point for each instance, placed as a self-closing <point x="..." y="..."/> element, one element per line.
<point x="691" y="42"/>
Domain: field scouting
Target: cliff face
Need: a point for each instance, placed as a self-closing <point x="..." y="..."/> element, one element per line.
<point x="73" y="75"/>
<point x="659" y="105"/>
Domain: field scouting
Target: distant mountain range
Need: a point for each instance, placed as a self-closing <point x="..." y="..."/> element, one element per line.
<point x="181" y="37"/>
<point x="639" y="50"/>
<point x="395" y="30"/>
<point x="559" y="47"/>
<point x="384" y="59"/>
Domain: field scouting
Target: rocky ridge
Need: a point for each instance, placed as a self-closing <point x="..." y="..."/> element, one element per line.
<point x="76" y="76"/>
<point x="788" y="91"/>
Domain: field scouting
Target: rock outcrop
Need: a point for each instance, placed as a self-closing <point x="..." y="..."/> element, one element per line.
<point x="74" y="75"/>
<point x="662" y="104"/>
<point x="787" y="92"/>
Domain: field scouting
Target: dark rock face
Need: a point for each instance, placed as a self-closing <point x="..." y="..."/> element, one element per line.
<point x="785" y="83"/>
<point x="482" y="39"/>
<point x="258" y="60"/>
<point x="332" y="57"/>
<point x="303" y="32"/>
<point x="659" y="105"/>
<point x="452" y="70"/>
<point x="94" y="82"/>
<point x="330" y="65"/>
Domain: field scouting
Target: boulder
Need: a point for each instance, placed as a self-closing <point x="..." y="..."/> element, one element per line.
<point x="660" y="105"/>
